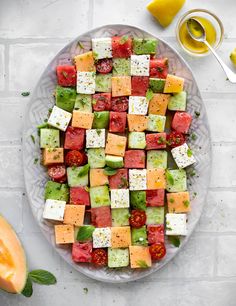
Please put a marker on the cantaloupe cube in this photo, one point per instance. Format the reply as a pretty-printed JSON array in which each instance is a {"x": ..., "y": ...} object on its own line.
[
  {"x": 82, "y": 120},
  {"x": 120, "y": 237},
  {"x": 85, "y": 62},
  {"x": 158, "y": 104},
  {"x": 74, "y": 215},
  {"x": 98, "y": 178},
  {"x": 115, "y": 144},
  {"x": 53, "y": 156},
  {"x": 137, "y": 123},
  {"x": 178, "y": 202},
  {"x": 140, "y": 257},
  {"x": 64, "y": 233},
  {"x": 156, "y": 179},
  {"x": 173, "y": 84},
  {"x": 121, "y": 86}
]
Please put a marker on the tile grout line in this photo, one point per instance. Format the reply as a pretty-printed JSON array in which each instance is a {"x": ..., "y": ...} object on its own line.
[{"x": 90, "y": 14}]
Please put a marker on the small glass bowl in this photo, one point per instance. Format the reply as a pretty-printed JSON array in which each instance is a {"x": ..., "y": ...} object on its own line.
[{"x": 212, "y": 18}]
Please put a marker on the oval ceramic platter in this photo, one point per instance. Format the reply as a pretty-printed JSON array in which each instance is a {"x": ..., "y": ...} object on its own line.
[{"x": 36, "y": 176}]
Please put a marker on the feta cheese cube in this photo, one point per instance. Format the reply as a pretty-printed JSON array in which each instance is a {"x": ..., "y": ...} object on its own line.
[
  {"x": 140, "y": 65},
  {"x": 119, "y": 198},
  {"x": 54, "y": 210},
  {"x": 95, "y": 138},
  {"x": 137, "y": 179},
  {"x": 138, "y": 105},
  {"x": 183, "y": 156},
  {"x": 102, "y": 237},
  {"x": 59, "y": 118},
  {"x": 102, "y": 47},
  {"x": 86, "y": 82},
  {"x": 176, "y": 224}
]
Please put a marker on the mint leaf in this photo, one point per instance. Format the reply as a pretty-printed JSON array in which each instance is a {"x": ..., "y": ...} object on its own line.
[
  {"x": 142, "y": 263},
  {"x": 42, "y": 277},
  {"x": 84, "y": 170},
  {"x": 28, "y": 289},
  {"x": 149, "y": 94},
  {"x": 170, "y": 177},
  {"x": 85, "y": 233},
  {"x": 25, "y": 93},
  {"x": 174, "y": 240},
  {"x": 109, "y": 171},
  {"x": 123, "y": 39}
]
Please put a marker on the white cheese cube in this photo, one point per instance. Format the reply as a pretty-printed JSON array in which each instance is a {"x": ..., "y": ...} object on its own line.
[
  {"x": 59, "y": 118},
  {"x": 102, "y": 47},
  {"x": 95, "y": 138},
  {"x": 137, "y": 179},
  {"x": 138, "y": 105},
  {"x": 86, "y": 82},
  {"x": 140, "y": 65},
  {"x": 54, "y": 210},
  {"x": 119, "y": 198},
  {"x": 176, "y": 224},
  {"x": 183, "y": 156},
  {"x": 102, "y": 237}
]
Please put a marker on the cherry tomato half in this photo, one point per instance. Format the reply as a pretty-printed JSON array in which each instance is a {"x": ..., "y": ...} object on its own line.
[
  {"x": 137, "y": 218},
  {"x": 175, "y": 139},
  {"x": 57, "y": 173},
  {"x": 99, "y": 257},
  {"x": 119, "y": 104},
  {"x": 74, "y": 158},
  {"x": 157, "y": 250},
  {"x": 104, "y": 65}
]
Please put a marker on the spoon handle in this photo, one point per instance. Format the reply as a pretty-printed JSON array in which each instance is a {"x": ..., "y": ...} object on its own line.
[{"x": 230, "y": 74}]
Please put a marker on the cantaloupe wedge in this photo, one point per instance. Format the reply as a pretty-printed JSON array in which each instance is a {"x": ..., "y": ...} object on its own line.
[{"x": 13, "y": 269}]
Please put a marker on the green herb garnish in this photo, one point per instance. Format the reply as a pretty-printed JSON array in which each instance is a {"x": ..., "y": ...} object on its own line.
[
  {"x": 84, "y": 170},
  {"x": 171, "y": 200},
  {"x": 193, "y": 136},
  {"x": 85, "y": 290},
  {"x": 142, "y": 264},
  {"x": 80, "y": 45},
  {"x": 32, "y": 137},
  {"x": 99, "y": 132},
  {"x": 189, "y": 152},
  {"x": 174, "y": 240},
  {"x": 65, "y": 74},
  {"x": 109, "y": 171},
  {"x": 36, "y": 160},
  {"x": 197, "y": 114},
  {"x": 28, "y": 289},
  {"x": 149, "y": 94},
  {"x": 25, "y": 93},
  {"x": 123, "y": 39},
  {"x": 170, "y": 177},
  {"x": 186, "y": 203},
  {"x": 85, "y": 233}
]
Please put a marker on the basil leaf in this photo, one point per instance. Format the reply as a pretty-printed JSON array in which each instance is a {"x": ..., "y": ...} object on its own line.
[
  {"x": 28, "y": 289},
  {"x": 174, "y": 240},
  {"x": 142, "y": 263},
  {"x": 170, "y": 177},
  {"x": 109, "y": 171},
  {"x": 149, "y": 94},
  {"x": 85, "y": 233},
  {"x": 42, "y": 277},
  {"x": 84, "y": 170}
]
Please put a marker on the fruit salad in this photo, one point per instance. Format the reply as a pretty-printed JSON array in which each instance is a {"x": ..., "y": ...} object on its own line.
[{"x": 117, "y": 183}]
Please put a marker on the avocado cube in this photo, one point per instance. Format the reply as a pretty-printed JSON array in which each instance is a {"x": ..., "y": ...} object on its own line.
[
  {"x": 96, "y": 158},
  {"x": 103, "y": 82},
  {"x": 99, "y": 196},
  {"x": 157, "y": 159},
  {"x": 157, "y": 85},
  {"x": 120, "y": 217},
  {"x": 49, "y": 138},
  {"x": 118, "y": 258},
  {"x": 114, "y": 162},
  {"x": 137, "y": 140},
  {"x": 65, "y": 98},
  {"x": 101, "y": 120},
  {"x": 144, "y": 46},
  {"x": 156, "y": 123},
  {"x": 78, "y": 176},
  {"x": 138, "y": 199},
  {"x": 178, "y": 101},
  {"x": 56, "y": 191},
  {"x": 121, "y": 66},
  {"x": 155, "y": 215},
  {"x": 139, "y": 236},
  {"x": 176, "y": 180},
  {"x": 83, "y": 103}
]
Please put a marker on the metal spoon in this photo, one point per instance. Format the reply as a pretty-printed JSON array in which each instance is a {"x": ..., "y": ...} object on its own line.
[{"x": 200, "y": 35}]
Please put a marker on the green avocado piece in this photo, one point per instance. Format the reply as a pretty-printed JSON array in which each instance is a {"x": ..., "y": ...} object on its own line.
[
  {"x": 96, "y": 158},
  {"x": 114, "y": 161},
  {"x": 103, "y": 82},
  {"x": 78, "y": 176},
  {"x": 65, "y": 98},
  {"x": 99, "y": 196},
  {"x": 49, "y": 138},
  {"x": 157, "y": 85},
  {"x": 101, "y": 120},
  {"x": 139, "y": 236},
  {"x": 138, "y": 199},
  {"x": 144, "y": 46},
  {"x": 56, "y": 191},
  {"x": 121, "y": 67}
]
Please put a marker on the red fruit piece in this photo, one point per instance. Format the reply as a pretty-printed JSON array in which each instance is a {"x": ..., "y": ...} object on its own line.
[
  {"x": 121, "y": 46},
  {"x": 117, "y": 122},
  {"x": 181, "y": 122},
  {"x": 159, "y": 68},
  {"x": 80, "y": 196},
  {"x": 82, "y": 252},
  {"x": 101, "y": 102},
  {"x": 74, "y": 138},
  {"x": 135, "y": 159},
  {"x": 66, "y": 75},
  {"x": 139, "y": 85},
  {"x": 101, "y": 216},
  {"x": 155, "y": 141}
]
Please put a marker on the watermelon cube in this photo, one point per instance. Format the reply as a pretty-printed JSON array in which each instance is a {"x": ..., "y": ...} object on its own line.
[
  {"x": 139, "y": 85},
  {"x": 181, "y": 122},
  {"x": 155, "y": 233},
  {"x": 80, "y": 196},
  {"x": 82, "y": 252},
  {"x": 155, "y": 197},
  {"x": 135, "y": 159},
  {"x": 66, "y": 75},
  {"x": 101, "y": 216},
  {"x": 101, "y": 102},
  {"x": 74, "y": 138},
  {"x": 117, "y": 122},
  {"x": 119, "y": 180},
  {"x": 121, "y": 46},
  {"x": 159, "y": 68},
  {"x": 156, "y": 141}
]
